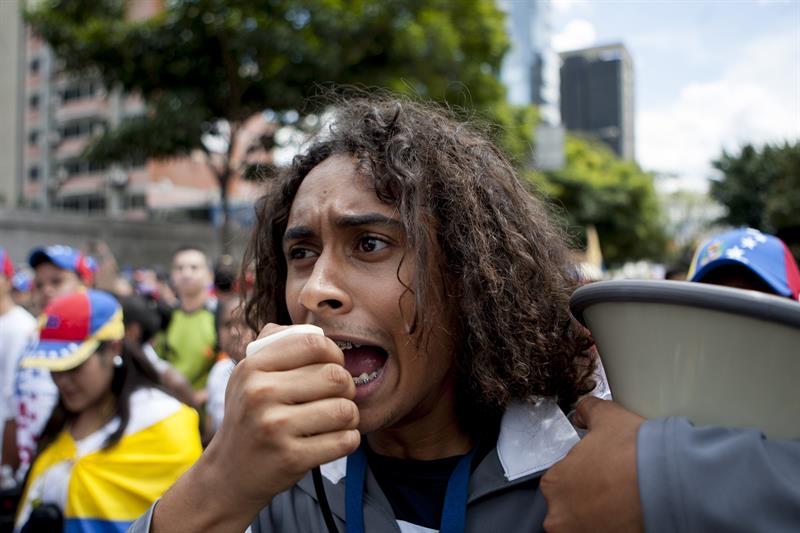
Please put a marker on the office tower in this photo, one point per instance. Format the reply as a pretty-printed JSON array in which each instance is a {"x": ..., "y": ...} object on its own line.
[
  {"x": 597, "y": 96},
  {"x": 530, "y": 73}
]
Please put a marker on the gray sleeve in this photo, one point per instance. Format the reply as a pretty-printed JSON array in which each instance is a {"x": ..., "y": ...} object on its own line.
[
  {"x": 716, "y": 479},
  {"x": 142, "y": 524}
]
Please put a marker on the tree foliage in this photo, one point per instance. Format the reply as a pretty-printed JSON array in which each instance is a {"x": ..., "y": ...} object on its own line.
[
  {"x": 761, "y": 188},
  {"x": 238, "y": 55},
  {"x": 616, "y": 196},
  {"x": 201, "y": 61}
]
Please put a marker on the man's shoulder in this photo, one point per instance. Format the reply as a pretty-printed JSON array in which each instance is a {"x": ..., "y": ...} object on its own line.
[
  {"x": 19, "y": 316},
  {"x": 20, "y": 322}
]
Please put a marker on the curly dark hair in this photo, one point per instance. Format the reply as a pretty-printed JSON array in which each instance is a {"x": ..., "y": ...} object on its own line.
[{"x": 480, "y": 237}]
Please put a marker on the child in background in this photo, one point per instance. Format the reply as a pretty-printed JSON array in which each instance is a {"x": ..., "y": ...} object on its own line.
[{"x": 234, "y": 335}]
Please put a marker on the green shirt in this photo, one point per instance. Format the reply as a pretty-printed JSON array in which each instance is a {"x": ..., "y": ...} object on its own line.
[{"x": 190, "y": 344}]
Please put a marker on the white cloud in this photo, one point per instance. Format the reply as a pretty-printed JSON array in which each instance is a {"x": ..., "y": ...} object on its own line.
[
  {"x": 756, "y": 100},
  {"x": 565, "y": 6},
  {"x": 578, "y": 33}
]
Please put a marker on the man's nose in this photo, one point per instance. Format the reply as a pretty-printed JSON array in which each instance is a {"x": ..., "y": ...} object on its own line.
[{"x": 325, "y": 289}]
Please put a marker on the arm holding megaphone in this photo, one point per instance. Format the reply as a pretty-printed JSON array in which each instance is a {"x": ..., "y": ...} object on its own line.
[
  {"x": 288, "y": 408},
  {"x": 629, "y": 474}
]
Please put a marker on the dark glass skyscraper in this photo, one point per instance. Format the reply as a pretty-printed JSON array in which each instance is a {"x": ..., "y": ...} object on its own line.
[{"x": 597, "y": 96}]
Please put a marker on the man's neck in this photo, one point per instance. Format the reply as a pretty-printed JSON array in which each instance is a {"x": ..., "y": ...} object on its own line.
[
  {"x": 433, "y": 436},
  {"x": 6, "y": 304},
  {"x": 190, "y": 303}
]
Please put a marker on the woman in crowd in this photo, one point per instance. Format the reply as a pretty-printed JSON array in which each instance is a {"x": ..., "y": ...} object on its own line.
[{"x": 115, "y": 441}]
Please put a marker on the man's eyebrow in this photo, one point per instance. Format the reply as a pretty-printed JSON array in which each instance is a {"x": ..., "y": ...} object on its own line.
[
  {"x": 297, "y": 233},
  {"x": 344, "y": 221},
  {"x": 366, "y": 219}
]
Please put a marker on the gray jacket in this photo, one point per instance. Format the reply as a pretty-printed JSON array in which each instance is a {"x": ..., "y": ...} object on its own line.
[
  {"x": 503, "y": 489},
  {"x": 716, "y": 479}
]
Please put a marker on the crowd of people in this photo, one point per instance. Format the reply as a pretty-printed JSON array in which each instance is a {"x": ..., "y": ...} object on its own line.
[
  {"x": 441, "y": 397},
  {"x": 108, "y": 385}
]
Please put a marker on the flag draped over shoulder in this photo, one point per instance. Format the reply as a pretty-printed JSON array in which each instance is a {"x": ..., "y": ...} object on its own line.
[{"x": 106, "y": 490}]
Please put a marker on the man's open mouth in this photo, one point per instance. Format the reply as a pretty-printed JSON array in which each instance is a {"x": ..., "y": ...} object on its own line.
[{"x": 364, "y": 362}]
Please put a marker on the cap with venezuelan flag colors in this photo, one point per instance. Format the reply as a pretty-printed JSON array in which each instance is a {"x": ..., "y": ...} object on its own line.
[
  {"x": 67, "y": 258},
  {"x": 71, "y": 329},
  {"x": 764, "y": 255}
]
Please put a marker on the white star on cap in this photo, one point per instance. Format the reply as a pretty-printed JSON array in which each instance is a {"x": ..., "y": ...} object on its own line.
[
  {"x": 749, "y": 243},
  {"x": 757, "y": 235},
  {"x": 736, "y": 253}
]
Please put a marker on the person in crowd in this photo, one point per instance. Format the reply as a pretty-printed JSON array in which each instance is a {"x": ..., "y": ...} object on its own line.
[
  {"x": 190, "y": 342},
  {"x": 225, "y": 278},
  {"x": 115, "y": 440},
  {"x": 142, "y": 322},
  {"x": 106, "y": 269},
  {"x": 234, "y": 335},
  {"x": 747, "y": 259},
  {"x": 435, "y": 399},
  {"x": 21, "y": 289},
  {"x": 58, "y": 270},
  {"x": 631, "y": 474},
  {"x": 16, "y": 328}
]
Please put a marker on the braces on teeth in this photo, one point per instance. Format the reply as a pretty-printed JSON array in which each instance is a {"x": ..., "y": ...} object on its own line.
[
  {"x": 347, "y": 345},
  {"x": 365, "y": 378}
]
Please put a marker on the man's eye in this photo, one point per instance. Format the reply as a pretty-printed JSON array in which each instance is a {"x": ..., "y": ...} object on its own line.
[
  {"x": 300, "y": 253},
  {"x": 371, "y": 244}
]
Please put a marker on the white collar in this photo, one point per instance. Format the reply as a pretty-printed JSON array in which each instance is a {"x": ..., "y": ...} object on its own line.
[{"x": 532, "y": 438}]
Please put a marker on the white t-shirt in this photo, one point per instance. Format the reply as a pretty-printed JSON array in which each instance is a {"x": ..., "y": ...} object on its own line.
[
  {"x": 160, "y": 365},
  {"x": 217, "y": 383},
  {"x": 35, "y": 395},
  {"x": 17, "y": 328}
]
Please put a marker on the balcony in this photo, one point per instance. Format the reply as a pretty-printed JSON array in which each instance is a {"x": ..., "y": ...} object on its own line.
[
  {"x": 82, "y": 108},
  {"x": 72, "y": 147},
  {"x": 83, "y": 184}
]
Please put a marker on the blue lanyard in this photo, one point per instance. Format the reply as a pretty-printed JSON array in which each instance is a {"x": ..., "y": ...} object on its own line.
[{"x": 454, "y": 513}]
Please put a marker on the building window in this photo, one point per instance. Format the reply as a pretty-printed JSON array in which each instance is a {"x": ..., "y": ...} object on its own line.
[
  {"x": 34, "y": 65},
  {"x": 33, "y": 173},
  {"x": 33, "y": 137},
  {"x": 78, "y": 91},
  {"x": 97, "y": 203},
  {"x": 74, "y": 167},
  {"x": 33, "y": 102},
  {"x": 90, "y": 204},
  {"x": 134, "y": 201},
  {"x": 80, "y": 128}
]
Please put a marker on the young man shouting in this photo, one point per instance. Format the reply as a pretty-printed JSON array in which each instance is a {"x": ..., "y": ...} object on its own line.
[{"x": 434, "y": 399}]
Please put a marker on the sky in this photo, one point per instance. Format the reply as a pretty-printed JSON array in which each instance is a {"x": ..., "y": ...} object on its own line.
[{"x": 709, "y": 75}]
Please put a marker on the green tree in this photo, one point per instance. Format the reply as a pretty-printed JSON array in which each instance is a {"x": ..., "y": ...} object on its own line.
[
  {"x": 205, "y": 66},
  {"x": 616, "y": 196},
  {"x": 761, "y": 188}
]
